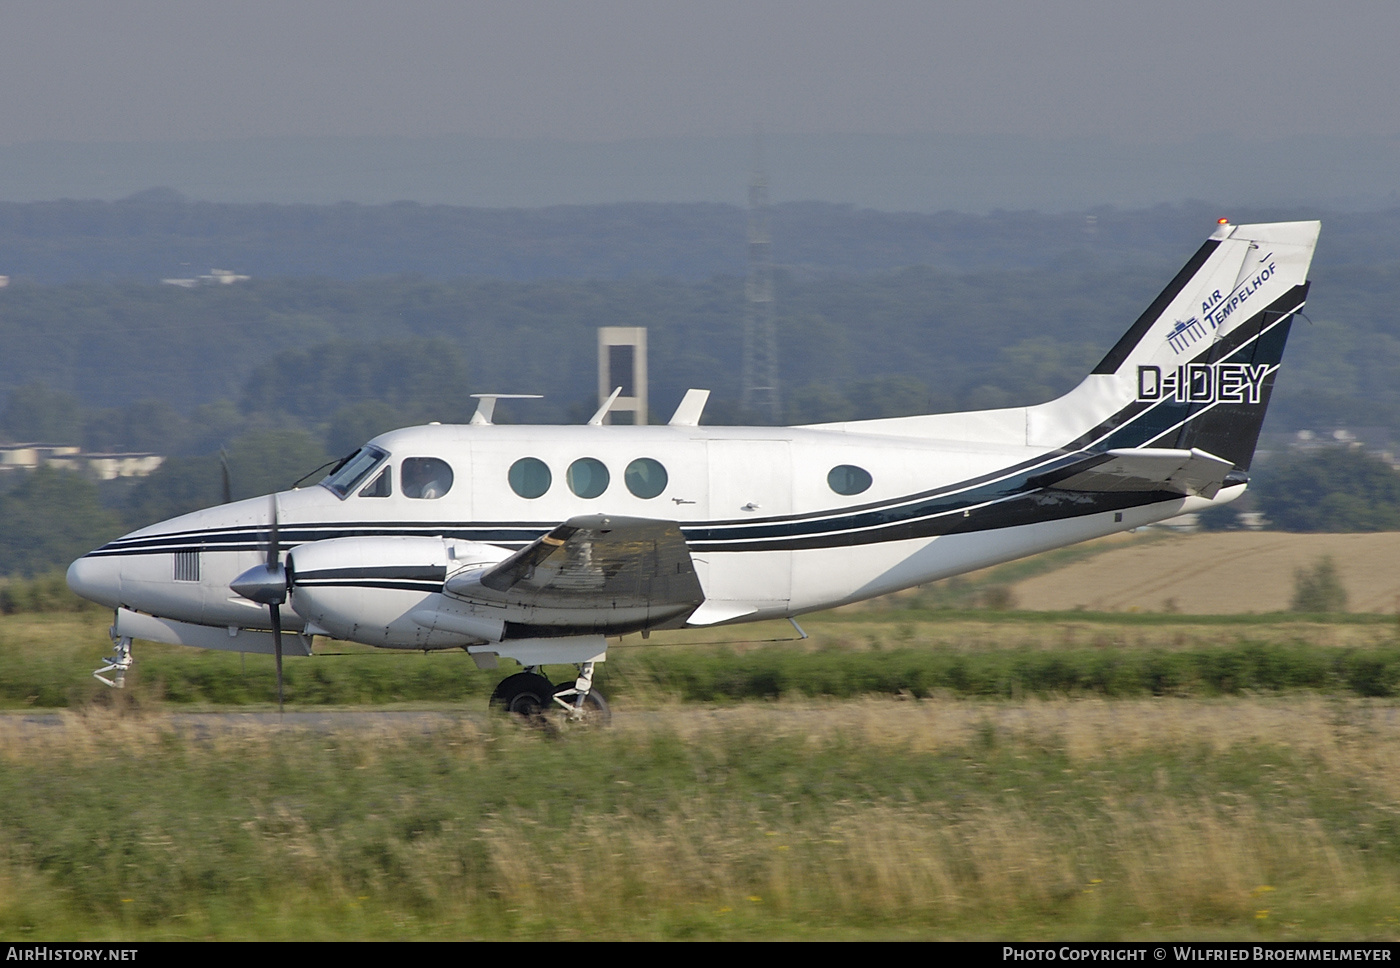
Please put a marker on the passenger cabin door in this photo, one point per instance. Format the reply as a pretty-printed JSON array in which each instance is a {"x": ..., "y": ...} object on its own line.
[{"x": 750, "y": 480}]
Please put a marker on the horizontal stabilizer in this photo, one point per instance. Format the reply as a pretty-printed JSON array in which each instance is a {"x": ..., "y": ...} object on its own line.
[{"x": 1189, "y": 472}]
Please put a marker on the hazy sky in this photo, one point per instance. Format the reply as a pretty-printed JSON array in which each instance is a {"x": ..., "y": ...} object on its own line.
[{"x": 139, "y": 70}]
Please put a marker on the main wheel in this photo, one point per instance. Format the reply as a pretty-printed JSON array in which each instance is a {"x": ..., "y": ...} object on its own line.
[
  {"x": 595, "y": 707},
  {"x": 524, "y": 695}
]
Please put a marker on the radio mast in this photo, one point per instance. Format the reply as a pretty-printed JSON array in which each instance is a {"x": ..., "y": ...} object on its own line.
[{"x": 760, "y": 396}]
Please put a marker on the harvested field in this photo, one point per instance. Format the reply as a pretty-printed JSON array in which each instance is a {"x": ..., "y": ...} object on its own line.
[{"x": 1216, "y": 573}]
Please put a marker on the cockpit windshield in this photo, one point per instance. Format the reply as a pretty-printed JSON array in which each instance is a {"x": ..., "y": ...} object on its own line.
[{"x": 355, "y": 468}]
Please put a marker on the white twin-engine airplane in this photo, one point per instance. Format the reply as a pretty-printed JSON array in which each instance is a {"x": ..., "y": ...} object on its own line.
[{"x": 538, "y": 543}]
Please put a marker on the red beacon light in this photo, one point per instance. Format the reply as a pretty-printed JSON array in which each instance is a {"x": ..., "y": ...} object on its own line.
[{"x": 1222, "y": 221}]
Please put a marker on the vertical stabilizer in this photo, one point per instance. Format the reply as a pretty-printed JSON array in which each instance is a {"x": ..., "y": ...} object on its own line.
[{"x": 1197, "y": 368}]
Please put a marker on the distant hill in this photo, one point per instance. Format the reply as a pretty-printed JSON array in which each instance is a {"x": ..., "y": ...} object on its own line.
[
  {"x": 158, "y": 234},
  {"x": 895, "y": 173}
]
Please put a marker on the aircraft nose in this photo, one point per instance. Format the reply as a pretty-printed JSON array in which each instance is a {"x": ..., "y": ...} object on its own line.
[{"x": 96, "y": 579}]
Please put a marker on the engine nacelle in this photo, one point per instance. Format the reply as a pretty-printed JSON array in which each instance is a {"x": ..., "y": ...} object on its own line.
[{"x": 387, "y": 591}]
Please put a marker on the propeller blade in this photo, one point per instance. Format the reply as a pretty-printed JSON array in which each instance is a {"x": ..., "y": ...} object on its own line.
[
  {"x": 276, "y": 611},
  {"x": 228, "y": 487},
  {"x": 274, "y": 549},
  {"x": 274, "y": 566}
]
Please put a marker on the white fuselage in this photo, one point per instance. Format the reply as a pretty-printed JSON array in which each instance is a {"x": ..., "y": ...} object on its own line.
[{"x": 771, "y": 537}]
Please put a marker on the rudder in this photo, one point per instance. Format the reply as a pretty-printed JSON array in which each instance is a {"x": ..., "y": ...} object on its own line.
[{"x": 1196, "y": 370}]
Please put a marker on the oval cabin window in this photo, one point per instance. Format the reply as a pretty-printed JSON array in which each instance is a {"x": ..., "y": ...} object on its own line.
[
  {"x": 645, "y": 477},
  {"x": 848, "y": 479},
  {"x": 530, "y": 477},
  {"x": 425, "y": 478},
  {"x": 587, "y": 477}
]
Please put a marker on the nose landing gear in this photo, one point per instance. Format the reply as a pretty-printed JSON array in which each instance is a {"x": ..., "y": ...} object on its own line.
[
  {"x": 581, "y": 702},
  {"x": 118, "y": 662}
]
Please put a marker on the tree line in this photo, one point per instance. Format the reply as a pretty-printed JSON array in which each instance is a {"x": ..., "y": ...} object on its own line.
[{"x": 918, "y": 339}]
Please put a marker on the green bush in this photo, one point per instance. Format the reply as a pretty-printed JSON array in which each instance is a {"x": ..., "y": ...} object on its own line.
[{"x": 1319, "y": 588}]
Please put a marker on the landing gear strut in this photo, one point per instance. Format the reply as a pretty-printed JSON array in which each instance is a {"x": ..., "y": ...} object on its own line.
[
  {"x": 529, "y": 696},
  {"x": 119, "y": 661},
  {"x": 581, "y": 702}
]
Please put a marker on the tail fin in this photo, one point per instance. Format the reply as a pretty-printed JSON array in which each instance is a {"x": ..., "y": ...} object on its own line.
[{"x": 1197, "y": 368}]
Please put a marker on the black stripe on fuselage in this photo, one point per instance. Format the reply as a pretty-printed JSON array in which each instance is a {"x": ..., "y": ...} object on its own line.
[
  {"x": 415, "y": 573},
  {"x": 414, "y": 578},
  {"x": 977, "y": 510},
  {"x": 367, "y": 582},
  {"x": 256, "y": 537}
]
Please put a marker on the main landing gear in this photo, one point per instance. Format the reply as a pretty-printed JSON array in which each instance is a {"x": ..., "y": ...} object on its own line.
[{"x": 530, "y": 697}]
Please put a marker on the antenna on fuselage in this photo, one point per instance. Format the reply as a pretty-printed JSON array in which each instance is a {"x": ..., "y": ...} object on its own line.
[
  {"x": 692, "y": 405},
  {"x": 486, "y": 405},
  {"x": 597, "y": 419}
]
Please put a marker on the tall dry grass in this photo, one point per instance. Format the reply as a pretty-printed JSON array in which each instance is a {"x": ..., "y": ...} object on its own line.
[{"x": 1243, "y": 818}]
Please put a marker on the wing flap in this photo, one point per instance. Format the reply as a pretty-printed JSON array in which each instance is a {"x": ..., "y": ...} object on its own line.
[
  {"x": 597, "y": 560},
  {"x": 1186, "y": 472}
]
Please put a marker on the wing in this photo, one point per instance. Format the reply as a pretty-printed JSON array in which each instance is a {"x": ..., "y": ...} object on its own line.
[
  {"x": 1187, "y": 472},
  {"x": 601, "y": 561}
]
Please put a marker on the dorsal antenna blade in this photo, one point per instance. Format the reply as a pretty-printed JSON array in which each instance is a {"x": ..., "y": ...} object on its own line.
[
  {"x": 597, "y": 419},
  {"x": 486, "y": 405}
]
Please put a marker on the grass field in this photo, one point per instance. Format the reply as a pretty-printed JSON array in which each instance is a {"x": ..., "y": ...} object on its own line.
[
  {"x": 1175, "y": 818},
  {"x": 1245, "y": 801}
]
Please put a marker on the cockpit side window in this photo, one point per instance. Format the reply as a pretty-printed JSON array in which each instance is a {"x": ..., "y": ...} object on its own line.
[
  {"x": 425, "y": 477},
  {"x": 354, "y": 469},
  {"x": 381, "y": 486}
]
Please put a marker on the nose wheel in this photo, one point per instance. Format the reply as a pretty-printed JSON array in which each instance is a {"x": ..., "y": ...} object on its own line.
[
  {"x": 581, "y": 702},
  {"x": 118, "y": 662},
  {"x": 593, "y": 711}
]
